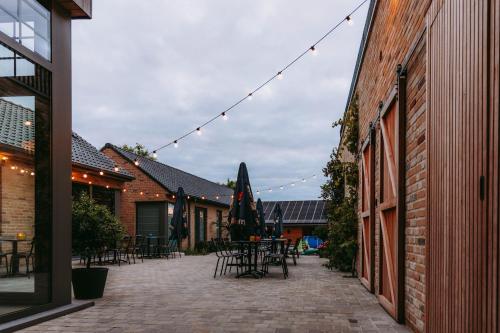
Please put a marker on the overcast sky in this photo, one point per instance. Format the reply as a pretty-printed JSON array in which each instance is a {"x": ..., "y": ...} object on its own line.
[{"x": 149, "y": 71}]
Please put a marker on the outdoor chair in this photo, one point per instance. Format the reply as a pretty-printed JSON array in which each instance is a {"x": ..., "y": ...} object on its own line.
[
  {"x": 294, "y": 252},
  {"x": 220, "y": 255},
  {"x": 138, "y": 247},
  {"x": 28, "y": 258},
  {"x": 174, "y": 248},
  {"x": 277, "y": 258},
  {"x": 4, "y": 255}
]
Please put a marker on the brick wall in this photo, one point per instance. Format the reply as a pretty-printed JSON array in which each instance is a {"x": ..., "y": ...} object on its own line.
[
  {"x": 145, "y": 189},
  {"x": 396, "y": 26},
  {"x": 17, "y": 190}
]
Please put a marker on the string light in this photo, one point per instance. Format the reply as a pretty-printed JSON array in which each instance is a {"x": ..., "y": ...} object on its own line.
[
  {"x": 124, "y": 190},
  {"x": 304, "y": 180},
  {"x": 224, "y": 115},
  {"x": 107, "y": 186},
  {"x": 101, "y": 173},
  {"x": 32, "y": 173},
  {"x": 85, "y": 176},
  {"x": 155, "y": 155},
  {"x": 282, "y": 188},
  {"x": 27, "y": 123},
  {"x": 176, "y": 144},
  {"x": 136, "y": 162},
  {"x": 116, "y": 169},
  {"x": 349, "y": 20},
  {"x": 312, "y": 49}
]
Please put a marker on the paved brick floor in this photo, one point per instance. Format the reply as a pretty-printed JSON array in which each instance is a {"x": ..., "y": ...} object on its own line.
[{"x": 180, "y": 295}]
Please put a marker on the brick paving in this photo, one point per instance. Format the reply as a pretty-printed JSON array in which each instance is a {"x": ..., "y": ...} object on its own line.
[{"x": 180, "y": 295}]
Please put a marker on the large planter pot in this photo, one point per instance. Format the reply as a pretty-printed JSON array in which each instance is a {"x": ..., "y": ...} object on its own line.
[{"x": 88, "y": 283}]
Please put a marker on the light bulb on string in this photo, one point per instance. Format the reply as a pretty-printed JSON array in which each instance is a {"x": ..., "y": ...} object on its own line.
[
  {"x": 313, "y": 49},
  {"x": 176, "y": 144},
  {"x": 258, "y": 192},
  {"x": 282, "y": 188},
  {"x": 270, "y": 190},
  {"x": 314, "y": 177},
  {"x": 136, "y": 162},
  {"x": 116, "y": 169},
  {"x": 198, "y": 131},
  {"x": 304, "y": 180},
  {"x": 293, "y": 184},
  {"x": 155, "y": 155},
  {"x": 250, "y": 96},
  {"x": 279, "y": 76},
  {"x": 224, "y": 115},
  {"x": 101, "y": 173},
  {"x": 349, "y": 20}
]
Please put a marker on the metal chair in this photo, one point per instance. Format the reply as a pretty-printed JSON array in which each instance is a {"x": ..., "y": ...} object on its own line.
[
  {"x": 278, "y": 258},
  {"x": 28, "y": 257}
]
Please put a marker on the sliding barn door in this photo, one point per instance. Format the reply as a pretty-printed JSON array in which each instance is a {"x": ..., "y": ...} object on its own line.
[
  {"x": 367, "y": 264},
  {"x": 391, "y": 208},
  {"x": 462, "y": 243}
]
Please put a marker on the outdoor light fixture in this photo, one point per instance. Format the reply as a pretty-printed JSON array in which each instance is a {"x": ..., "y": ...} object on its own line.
[
  {"x": 304, "y": 180},
  {"x": 280, "y": 75},
  {"x": 293, "y": 184},
  {"x": 142, "y": 193},
  {"x": 32, "y": 173},
  {"x": 349, "y": 20},
  {"x": 270, "y": 190},
  {"x": 107, "y": 186},
  {"x": 27, "y": 123},
  {"x": 85, "y": 175},
  {"x": 72, "y": 177},
  {"x": 281, "y": 187},
  {"x": 124, "y": 190},
  {"x": 258, "y": 192},
  {"x": 136, "y": 162},
  {"x": 313, "y": 50},
  {"x": 198, "y": 131},
  {"x": 224, "y": 115},
  {"x": 157, "y": 195},
  {"x": 314, "y": 177},
  {"x": 217, "y": 197},
  {"x": 250, "y": 96},
  {"x": 155, "y": 155},
  {"x": 116, "y": 169},
  {"x": 90, "y": 183},
  {"x": 101, "y": 173},
  {"x": 176, "y": 144}
]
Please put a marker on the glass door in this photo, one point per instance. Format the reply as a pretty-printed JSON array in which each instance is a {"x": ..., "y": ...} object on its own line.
[{"x": 25, "y": 183}]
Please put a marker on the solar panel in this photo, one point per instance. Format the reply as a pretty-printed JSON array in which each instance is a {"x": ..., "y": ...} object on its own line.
[
  {"x": 303, "y": 213},
  {"x": 287, "y": 216},
  {"x": 318, "y": 215}
]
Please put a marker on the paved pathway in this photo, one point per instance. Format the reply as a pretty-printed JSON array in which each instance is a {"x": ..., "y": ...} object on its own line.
[{"x": 180, "y": 295}]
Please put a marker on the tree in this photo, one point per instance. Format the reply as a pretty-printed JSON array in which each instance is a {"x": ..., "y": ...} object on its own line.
[
  {"x": 231, "y": 183},
  {"x": 140, "y": 150},
  {"x": 340, "y": 192}
]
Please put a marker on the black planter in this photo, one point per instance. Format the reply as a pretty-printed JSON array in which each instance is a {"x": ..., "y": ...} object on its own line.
[{"x": 88, "y": 283}]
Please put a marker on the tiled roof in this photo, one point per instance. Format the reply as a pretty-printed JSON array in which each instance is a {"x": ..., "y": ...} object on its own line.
[
  {"x": 297, "y": 212},
  {"x": 172, "y": 178},
  {"x": 86, "y": 155},
  {"x": 17, "y": 130},
  {"x": 14, "y": 130}
]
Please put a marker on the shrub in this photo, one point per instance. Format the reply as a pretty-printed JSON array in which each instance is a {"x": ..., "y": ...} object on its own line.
[{"x": 94, "y": 228}]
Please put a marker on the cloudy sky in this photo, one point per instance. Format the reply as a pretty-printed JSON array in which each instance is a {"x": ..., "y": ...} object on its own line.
[{"x": 149, "y": 71}]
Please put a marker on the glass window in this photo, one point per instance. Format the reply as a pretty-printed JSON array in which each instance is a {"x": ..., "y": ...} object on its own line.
[
  {"x": 28, "y": 22},
  {"x": 25, "y": 223}
]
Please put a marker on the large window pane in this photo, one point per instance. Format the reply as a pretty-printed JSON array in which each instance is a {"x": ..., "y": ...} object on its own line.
[
  {"x": 28, "y": 22},
  {"x": 25, "y": 223}
]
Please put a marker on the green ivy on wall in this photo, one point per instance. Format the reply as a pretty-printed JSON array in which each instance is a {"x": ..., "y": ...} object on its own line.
[{"x": 340, "y": 192}]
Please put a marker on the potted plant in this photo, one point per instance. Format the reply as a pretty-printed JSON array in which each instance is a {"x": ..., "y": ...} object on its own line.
[{"x": 94, "y": 229}]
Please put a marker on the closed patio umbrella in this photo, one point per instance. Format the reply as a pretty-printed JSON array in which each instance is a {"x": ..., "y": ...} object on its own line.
[
  {"x": 278, "y": 220},
  {"x": 178, "y": 223},
  {"x": 262, "y": 220},
  {"x": 243, "y": 214}
]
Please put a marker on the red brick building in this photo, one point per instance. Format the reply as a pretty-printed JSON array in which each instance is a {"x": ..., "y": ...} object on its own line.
[
  {"x": 300, "y": 218},
  {"x": 146, "y": 203},
  {"x": 427, "y": 85}
]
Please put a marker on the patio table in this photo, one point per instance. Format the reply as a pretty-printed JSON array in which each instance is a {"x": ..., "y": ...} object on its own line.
[
  {"x": 149, "y": 240},
  {"x": 15, "y": 258},
  {"x": 251, "y": 251}
]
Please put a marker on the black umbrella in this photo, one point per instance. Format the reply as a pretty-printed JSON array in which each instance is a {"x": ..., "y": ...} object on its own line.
[
  {"x": 179, "y": 223},
  {"x": 262, "y": 220},
  {"x": 278, "y": 220},
  {"x": 243, "y": 216}
]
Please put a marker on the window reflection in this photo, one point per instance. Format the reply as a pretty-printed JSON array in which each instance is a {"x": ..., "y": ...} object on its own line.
[
  {"x": 28, "y": 22},
  {"x": 25, "y": 240}
]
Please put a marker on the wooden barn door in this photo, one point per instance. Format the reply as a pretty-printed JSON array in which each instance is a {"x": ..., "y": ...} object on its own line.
[
  {"x": 391, "y": 208},
  {"x": 462, "y": 233},
  {"x": 367, "y": 264}
]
